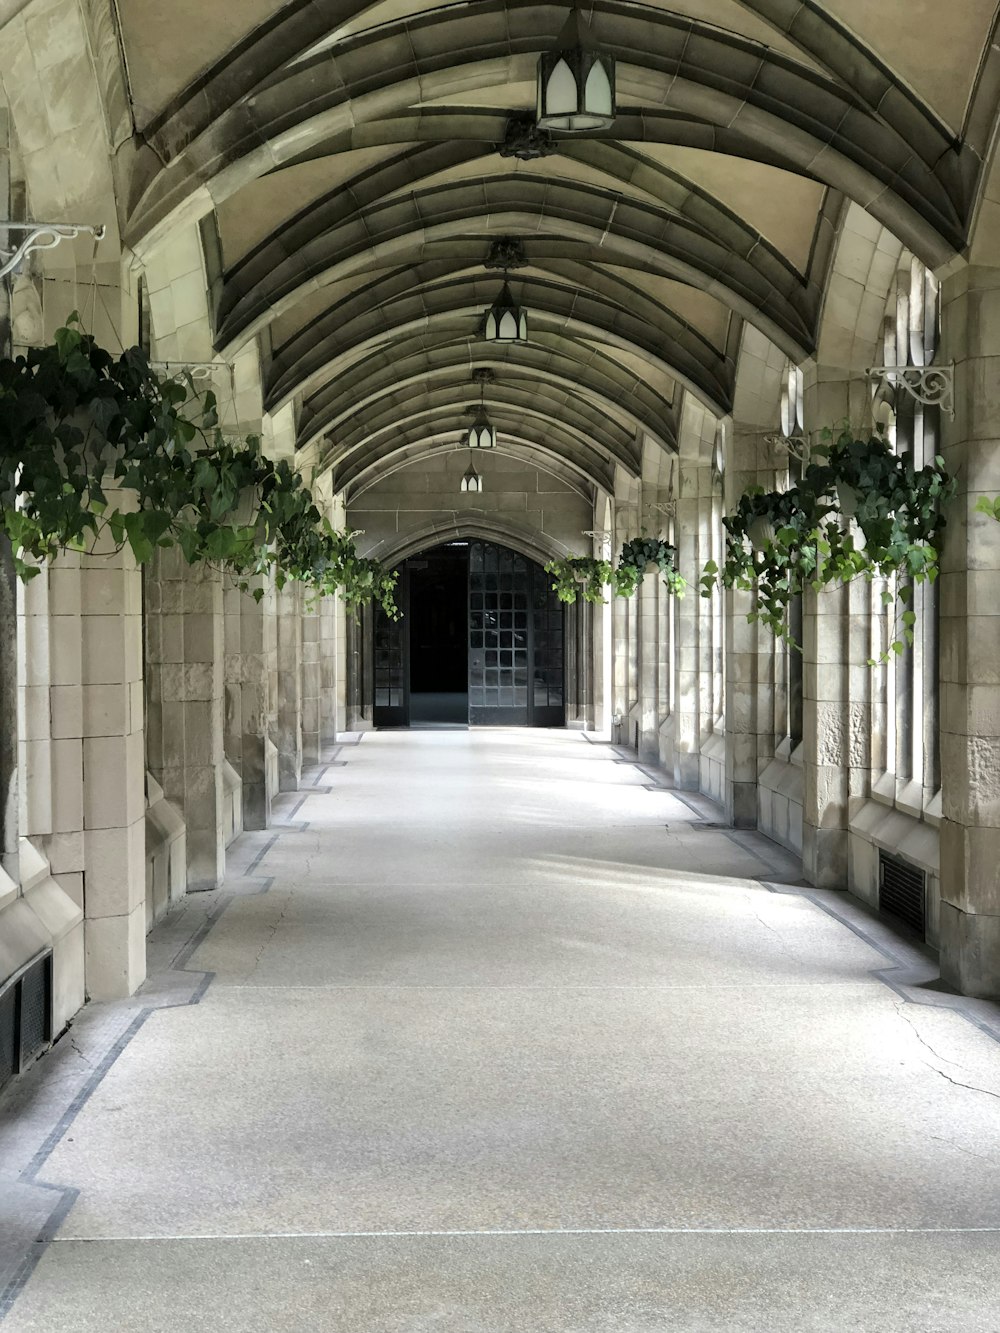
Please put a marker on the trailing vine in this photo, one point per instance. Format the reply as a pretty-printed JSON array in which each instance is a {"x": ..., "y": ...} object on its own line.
[
  {"x": 861, "y": 510},
  {"x": 91, "y": 443}
]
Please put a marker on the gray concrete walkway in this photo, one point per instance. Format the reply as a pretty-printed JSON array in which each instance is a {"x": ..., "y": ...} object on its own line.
[{"x": 493, "y": 1036}]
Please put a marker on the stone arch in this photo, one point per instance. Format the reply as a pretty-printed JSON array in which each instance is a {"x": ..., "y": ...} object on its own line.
[{"x": 471, "y": 525}]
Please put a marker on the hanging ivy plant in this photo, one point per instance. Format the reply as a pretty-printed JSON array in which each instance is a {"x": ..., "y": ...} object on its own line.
[
  {"x": 580, "y": 573},
  {"x": 860, "y": 510},
  {"x": 93, "y": 443},
  {"x": 641, "y": 554},
  {"x": 984, "y": 505}
]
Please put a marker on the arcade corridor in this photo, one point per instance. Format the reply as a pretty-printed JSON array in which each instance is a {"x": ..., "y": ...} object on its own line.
[{"x": 492, "y": 1032}]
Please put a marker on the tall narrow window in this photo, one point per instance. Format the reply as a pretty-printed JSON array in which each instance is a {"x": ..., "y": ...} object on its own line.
[
  {"x": 145, "y": 318},
  {"x": 793, "y": 430},
  {"x": 908, "y": 747}
]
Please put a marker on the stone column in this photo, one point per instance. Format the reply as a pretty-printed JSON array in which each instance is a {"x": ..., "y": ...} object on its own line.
[
  {"x": 650, "y": 634},
  {"x": 84, "y": 758},
  {"x": 247, "y": 703},
  {"x": 8, "y": 714},
  {"x": 332, "y": 667},
  {"x": 8, "y": 600},
  {"x": 836, "y": 684},
  {"x": 750, "y": 651},
  {"x": 312, "y": 722},
  {"x": 694, "y": 520},
  {"x": 970, "y": 642},
  {"x": 186, "y": 695},
  {"x": 289, "y": 734},
  {"x": 620, "y": 667},
  {"x": 114, "y": 773}
]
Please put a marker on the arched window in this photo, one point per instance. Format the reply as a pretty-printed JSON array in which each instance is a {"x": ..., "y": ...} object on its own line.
[
  {"x": 905, "y": 756},
  {"x": 793, "y": 431}
]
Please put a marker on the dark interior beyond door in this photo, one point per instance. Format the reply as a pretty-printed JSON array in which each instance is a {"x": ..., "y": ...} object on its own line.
[
  {"x": 438, "y": 629},
  {"x": 481, "y": 642}
]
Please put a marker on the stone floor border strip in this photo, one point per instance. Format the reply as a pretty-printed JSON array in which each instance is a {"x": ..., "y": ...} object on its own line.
[
  {"x": 962, "y": 1005},
  {"x": 839, "y": 908},
  {"x": 67, "y": 1193}
]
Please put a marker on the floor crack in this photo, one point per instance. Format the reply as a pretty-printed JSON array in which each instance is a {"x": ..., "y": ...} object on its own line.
[
  {"x": 970, "y": 1087},
  {"x": 274, "y": 930},
  {"x": 767, "y": 926},
  {"x": 75, "y": 1047},
  {"x": 939, "y": 1138}
]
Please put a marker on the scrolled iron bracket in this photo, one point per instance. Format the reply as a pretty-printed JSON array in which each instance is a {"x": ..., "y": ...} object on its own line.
[
  {"x": 198, "y": 371},
  {"x": 796, "y": 446},
  {"x": 604, "y": 537},
  {"x": 933, "y": 386},
  {"x": 40, "y": 236}
]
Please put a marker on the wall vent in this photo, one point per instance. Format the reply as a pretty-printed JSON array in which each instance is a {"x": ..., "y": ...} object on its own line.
[
  {"x": 902, "y": 892},
  {"x": 25, "y": 1016}
]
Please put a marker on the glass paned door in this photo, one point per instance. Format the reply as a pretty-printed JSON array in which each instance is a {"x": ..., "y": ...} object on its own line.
[
  {"x": 516, "y": 626},
  {"x": 548, "y": 702},
  {"x": 499, "y": 637}
]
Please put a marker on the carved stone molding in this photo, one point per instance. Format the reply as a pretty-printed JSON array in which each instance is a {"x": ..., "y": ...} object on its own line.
[
  {"x": 506, "y": 252},
  {"x": 525, "y": 141}
]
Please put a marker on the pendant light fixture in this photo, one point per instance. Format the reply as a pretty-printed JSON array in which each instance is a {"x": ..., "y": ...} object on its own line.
[
  {"x": 576, "y": 82},
  {"x": 472, "y": 481},
  {"x": 482, "y": 433},
  {"x": 506, "y": 321}
]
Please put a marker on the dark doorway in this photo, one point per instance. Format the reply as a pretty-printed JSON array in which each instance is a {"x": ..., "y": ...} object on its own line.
[
  {"x": 438, "y": 632},
  {"x": 481, "y": 642}
]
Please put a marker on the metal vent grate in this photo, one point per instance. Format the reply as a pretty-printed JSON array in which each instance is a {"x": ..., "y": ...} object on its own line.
[
  {"x": 25, "y": 1016},
  {"x": 36, "y": 994},
  {"x": 8, "y": 1035},
  {"x": 902, "y": 892}
]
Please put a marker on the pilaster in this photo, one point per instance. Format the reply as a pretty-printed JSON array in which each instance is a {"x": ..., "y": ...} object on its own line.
[
  {"x": 246, "y": 737},
  {"x": 696, "y": 665},
  {"x": 750, "y": 651},
  {"x": 289, "y": 732},
  {"x": 84, "y": 754},
  {"x": 970, "y": 642},
  {"x": 185, "y": 642},
  {"x": 312, "y": 690}
]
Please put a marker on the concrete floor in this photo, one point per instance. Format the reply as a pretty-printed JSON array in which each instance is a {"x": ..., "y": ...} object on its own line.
[{"x": 491, "y": 1035}]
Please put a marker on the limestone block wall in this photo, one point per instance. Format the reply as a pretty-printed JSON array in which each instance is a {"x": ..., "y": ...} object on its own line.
[
  {"x": 247, "y": 707},
  {"x": 82, "y": 743},
  {"x": 426, "y": 498},
  {"x": 185, "y": 693}
]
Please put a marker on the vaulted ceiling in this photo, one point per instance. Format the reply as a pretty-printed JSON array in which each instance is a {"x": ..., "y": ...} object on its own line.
[{"x": 349, "y": 167}]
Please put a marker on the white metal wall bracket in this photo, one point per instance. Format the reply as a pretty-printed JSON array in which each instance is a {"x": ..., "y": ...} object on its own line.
[
  {"x": 39, "y": 236},
  {"x": 933, "y": 386}
]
